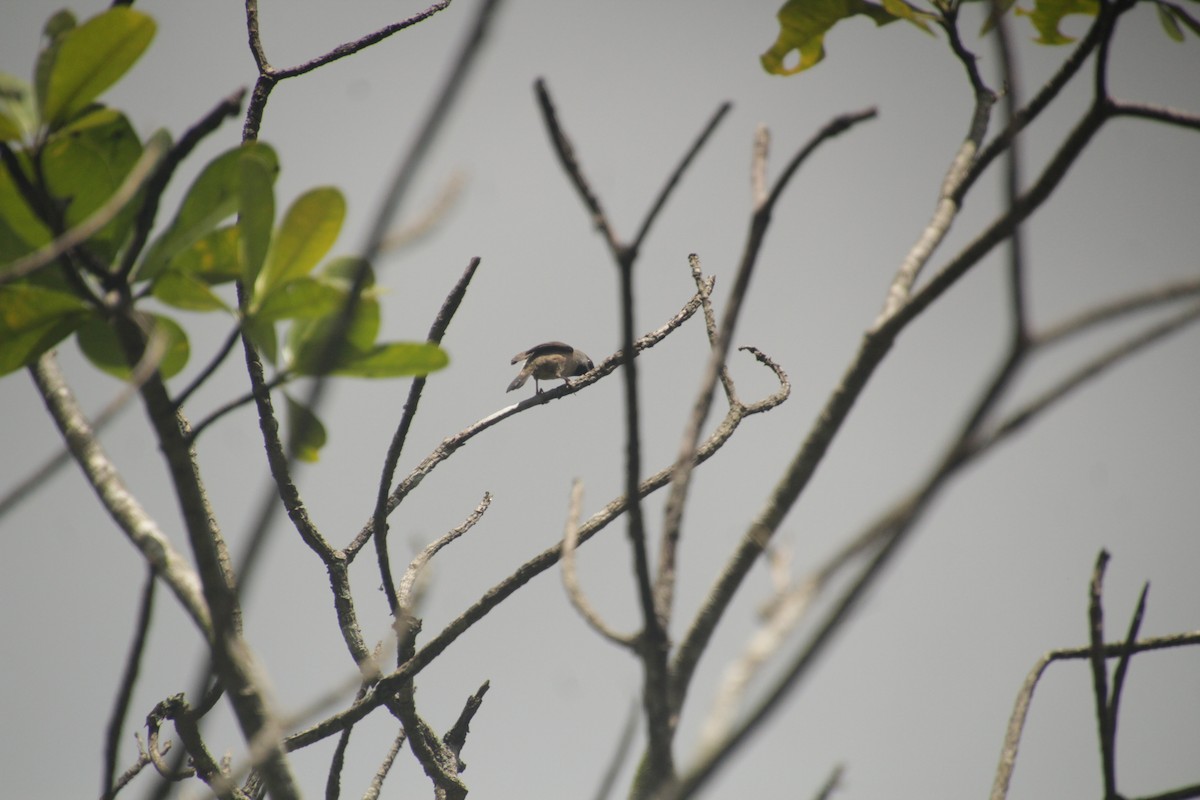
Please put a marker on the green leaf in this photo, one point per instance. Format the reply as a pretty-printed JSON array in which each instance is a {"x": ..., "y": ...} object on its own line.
[
  {"x": 308, "y": 339},
  {"x": 1167, "y": 20},
  {"x": 256, "y": 218},
  {"x": 1047, "y": 15},
  {"x": 85, "y": 164},
  {"x": 803, "y": 25},
  {"x": 902, "y": 10},
  {"x": 98, "y": 341},
  {"x": 186, "y": 291},
  {"x": 18, "y": 117},
  {"x": 306, "y": 434},
  {"x": 309, "y": 229},
  {"x": 32, "y": 320},
  {"x": 57, "y": 27},
  {"x": 213, "y": 258},
  {"x": 394, "y": 360},
  {"x": 302, "y": 298},
  {"x": 86, "y": 60},
  {"x": 212, "y": 197},
  {"x": 21, "y": 231},
  {"x": 264, "y": 338}
]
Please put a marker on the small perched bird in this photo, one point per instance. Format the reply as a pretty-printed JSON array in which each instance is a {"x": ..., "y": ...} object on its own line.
[{"x": 550, "y": 360}]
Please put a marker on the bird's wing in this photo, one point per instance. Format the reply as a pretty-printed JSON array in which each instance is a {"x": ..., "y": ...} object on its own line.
[{"x": 544, "y": 349}]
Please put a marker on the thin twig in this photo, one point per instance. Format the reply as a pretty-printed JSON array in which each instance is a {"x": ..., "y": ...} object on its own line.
[
  {"x": 380, "y": 774},
  {"x": 760, "y": 220},
  {"x": 436, "y": 332},
  {"x": 531, "y": 569},
  {"x": 227, "y": 107},
  {"x": 570, "y": 577},
  {"x": 451, "y": 444},
  {"x": 1016, "y": 723},
  {"x": 1104, "y": 721},
  {"x": 133, "y": 661},
  {"x": 620, "y": 754}
]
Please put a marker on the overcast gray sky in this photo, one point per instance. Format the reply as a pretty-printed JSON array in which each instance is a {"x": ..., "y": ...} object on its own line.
[{"x": 915, "y": 696}]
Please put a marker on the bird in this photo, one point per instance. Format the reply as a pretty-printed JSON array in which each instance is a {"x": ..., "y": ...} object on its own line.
[{"x": 550, "y": 360}]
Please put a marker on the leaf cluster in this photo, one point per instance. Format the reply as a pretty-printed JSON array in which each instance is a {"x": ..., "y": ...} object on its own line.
[
  {"x": 804, "y": 23},
  {"x": 79, "y": 191}
]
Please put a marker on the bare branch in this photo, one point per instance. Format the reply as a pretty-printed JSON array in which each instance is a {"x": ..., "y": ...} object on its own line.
[
  {"x": 456, "y": 738},
  {"x": 124, "y": 694},
  {"x": 380, "y": 774},
  {"x": 760, "y": 220},
  {"x": 121, "y": 505},
  {"x": 533, "y": 567},
  {"x": 570, "y": 577},
  {"x": 620, "y": 754},
  {"x": 405, "y": 591},
  {"x": 1016, "y": 724},
  {"x": 269, "y": 76},
  {"x": 451, "y": 444},
  {"x": 379, "y": 517},
  {"x": 1104, "y": 719}
]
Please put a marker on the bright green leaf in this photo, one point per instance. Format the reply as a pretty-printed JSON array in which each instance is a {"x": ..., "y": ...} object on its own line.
[
  {"x": 1047, "y": 15},
  {"x": 308, "y": 339},
  {"x": 18, "y": 117},
  {"x": 90, "y": 58},
  {"x": 32, "y": 320},
  {"x": 309, "y": 229},
  {"x": 803, "y": 25},
  {"x": 211, "y": 198},
  {"x": 306, "y": 434},
  {"x": 256, "y": 218},
  {"x": 213, "y": 258},
  {"x": 186, "y": 291},
  {"x": 302, "y": 298},
  {"x": 85, "y": 166},
  {"x": 902, "y": 10},
  {"x": 394, "y": 360},
  {"x": 98, "y": 341},
  {"x": 55, "y": 29}
]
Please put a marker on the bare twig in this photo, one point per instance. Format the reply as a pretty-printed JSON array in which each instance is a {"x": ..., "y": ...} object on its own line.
[
  {"x": 456, "y": 738},
  {"x": 451, "y": 444},
  {"x": 1104, "y": 719},
  {"x": 269, "y": 76},
  {"x": 534, "y": 566},
  {"x": 570, "y": 578},
  {"x": 135, "y": 769},
  {"x": 1016, "y": 723},
  {"x": 620, "y": 753},
  {"x": 380, "y": 774},
  {"x": 436, "y": 331},
  {"x": 227, "y": 107},
  {"x": 121, "y": 505},
  {"x": 133, "y": 660},
  {"x": 760, "y": 220},
  {"x": 405, "y": 590}
]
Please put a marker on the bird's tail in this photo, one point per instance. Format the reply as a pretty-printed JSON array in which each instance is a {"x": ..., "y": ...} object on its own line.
[{"x": 522, "y": 376}]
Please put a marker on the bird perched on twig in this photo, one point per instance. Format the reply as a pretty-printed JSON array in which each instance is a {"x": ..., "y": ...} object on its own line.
[{"x": 550, "y": 360}]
